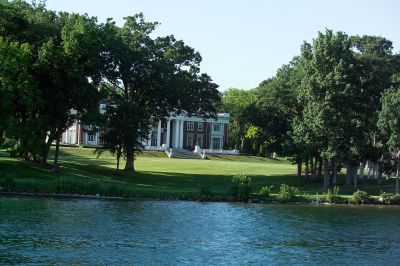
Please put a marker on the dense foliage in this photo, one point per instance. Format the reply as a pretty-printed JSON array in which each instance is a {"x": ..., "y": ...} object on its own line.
[
  {"x": 56, "y": 69},
  {"x": 334, "y": 105}
]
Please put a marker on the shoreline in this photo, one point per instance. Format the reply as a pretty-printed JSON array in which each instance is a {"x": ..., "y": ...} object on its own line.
[{"x": 305, "y": 201}]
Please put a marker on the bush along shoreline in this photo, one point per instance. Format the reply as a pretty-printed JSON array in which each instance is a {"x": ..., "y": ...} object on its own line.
[{"x": 239, "y": 190}]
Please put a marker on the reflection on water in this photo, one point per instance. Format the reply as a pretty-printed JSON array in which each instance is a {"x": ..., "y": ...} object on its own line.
[{"x": 74, "y": 231}]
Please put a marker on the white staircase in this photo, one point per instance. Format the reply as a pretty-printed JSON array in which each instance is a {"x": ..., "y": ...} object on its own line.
[{"x": 183, "y": 154}]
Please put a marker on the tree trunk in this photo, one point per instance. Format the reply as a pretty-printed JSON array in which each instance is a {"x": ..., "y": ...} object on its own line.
[
  {"x": 377, "y": 170},
  {"x": 129, "y": 166},
  {"x": 320, "y": 168},
  {"x": 119, "y": 153},
  {"x": 28, "y": 156},
  {"x": 307, "y": 171},
  {"x": 326, "y": 175},
  {"x": 373, "y": 170},
  {"x": 379, "y": 178},
  {"x": 362, "y": 166},
  {"x": 242, "y": 144},
  {"x": 299, "y": 165},
  {"x": 398, "y": 175},
  {"x": 312, "y": 167},
  {"x": 349, "y": 174},
  {"x": 334, "y": 172},
  {"x": 369, "y": 163},
  {"x": 46, "y": 149},
  {"x": 355, "y": 186},
  {"x": 56, "y": 152}
]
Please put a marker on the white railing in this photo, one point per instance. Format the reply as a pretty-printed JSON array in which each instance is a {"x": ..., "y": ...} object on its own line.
[
  {"x": 169, "y": 152},
  {"x": 202, "y": 152}
]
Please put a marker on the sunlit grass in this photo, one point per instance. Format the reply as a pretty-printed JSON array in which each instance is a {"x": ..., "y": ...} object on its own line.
[{"x": 81, "y": 172}]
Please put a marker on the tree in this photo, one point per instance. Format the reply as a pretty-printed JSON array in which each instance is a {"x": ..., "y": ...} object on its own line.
[
  {"x": 69, "y": 75},
  {"x": 389, "y": 124},
  {"x": 64, "y": 67},
  {"x": 237, "y": 102},
  {"x": 276, "y": 106},
  {"x": 327, "y": 93},
  {"x": 19, "y": 97},
  {"x": 150, "y": 79}
]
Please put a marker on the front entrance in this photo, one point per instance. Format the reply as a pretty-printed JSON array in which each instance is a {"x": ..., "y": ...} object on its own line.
[
  {"x": 216, "y": 143},
  {"x": 154, "y": 138},
  {"x": 200, "y": 141},
  {"x": 189, "y": 142}
]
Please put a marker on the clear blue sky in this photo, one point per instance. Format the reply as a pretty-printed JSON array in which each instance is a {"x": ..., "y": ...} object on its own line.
[{"x": 243, "y": 42}]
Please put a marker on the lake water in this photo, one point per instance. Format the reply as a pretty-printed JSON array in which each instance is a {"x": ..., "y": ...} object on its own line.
[{"x": 46, "y": 231}]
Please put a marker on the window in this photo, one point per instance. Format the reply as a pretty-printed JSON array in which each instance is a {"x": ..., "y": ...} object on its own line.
[
  {"x": 154, "y": 139},
  {"x": 190, "y": 126},
  {"x": 189, "y": 142},
  {"x": 216, "y": 143},
  {"x": 91, "y": 137},
  {"x": 199, "y": 126},
  {"x": 216, "y": 127}
]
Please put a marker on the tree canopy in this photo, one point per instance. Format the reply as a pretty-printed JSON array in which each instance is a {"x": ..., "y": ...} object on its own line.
[
  {"x": 322, "y": 108},
  {"x": 57, "y": 68}
]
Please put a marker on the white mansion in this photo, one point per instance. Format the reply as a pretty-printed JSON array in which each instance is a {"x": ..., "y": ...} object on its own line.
[{"x": 180, "y": 132}]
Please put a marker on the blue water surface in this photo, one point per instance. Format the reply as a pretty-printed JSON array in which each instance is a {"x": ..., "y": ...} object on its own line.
[{"x": 48, "y": 231}]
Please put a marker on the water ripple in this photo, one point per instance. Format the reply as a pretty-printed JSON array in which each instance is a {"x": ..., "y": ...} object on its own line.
[{"x": 89, "y": 232}]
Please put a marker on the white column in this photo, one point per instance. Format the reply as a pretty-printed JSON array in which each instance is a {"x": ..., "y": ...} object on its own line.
[
  {"x": 176, "y": 131},
  {"x": 181, "y": 135},
  {"x": 66, "y": 136},
  {"x": 168, "y": 133},
  {"x": 76, "y": 130},
  {"x": 78, "y": 133},
  {"x": 73, "y": 135},
  {"x": 150, "y": 136},
  {"x": 223, "y": 135},
  {"x": 159, "y": 134}
]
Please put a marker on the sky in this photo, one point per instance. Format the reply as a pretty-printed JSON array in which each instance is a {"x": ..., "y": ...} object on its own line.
[{"x": 243, "y": 42}]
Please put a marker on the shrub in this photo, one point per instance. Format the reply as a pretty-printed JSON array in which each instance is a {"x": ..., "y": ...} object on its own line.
[
  {"x": 386, "y": 198},
  {"x": 265, "y": 191},
  {"x": 240, "y": 187},
  {"x": 287, "y": 193},
  {"x": 360, "y": 196},
  {"x": 396, "y": 199},
  {"x": 332, "y": 195}
]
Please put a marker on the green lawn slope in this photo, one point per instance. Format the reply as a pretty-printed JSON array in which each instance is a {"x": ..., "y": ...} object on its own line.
[{"x": 157, "y": 176}]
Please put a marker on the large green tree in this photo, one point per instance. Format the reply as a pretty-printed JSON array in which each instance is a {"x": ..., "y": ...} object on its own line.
[
  {"x": 389, "y": 124},
  {"x": 151, "y": 77},
  {"x": 19, "y": 97},
  {"x": 375, "y": 65},
  {"x": 276, "y": 106},
  {"x": 65, "y": 63},
  {"x": 327, "y": 93},
  {"x": 237, "y": 102}
]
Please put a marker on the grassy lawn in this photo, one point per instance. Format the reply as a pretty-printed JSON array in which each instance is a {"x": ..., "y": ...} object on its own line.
[{"x": 157, "y": 175}]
